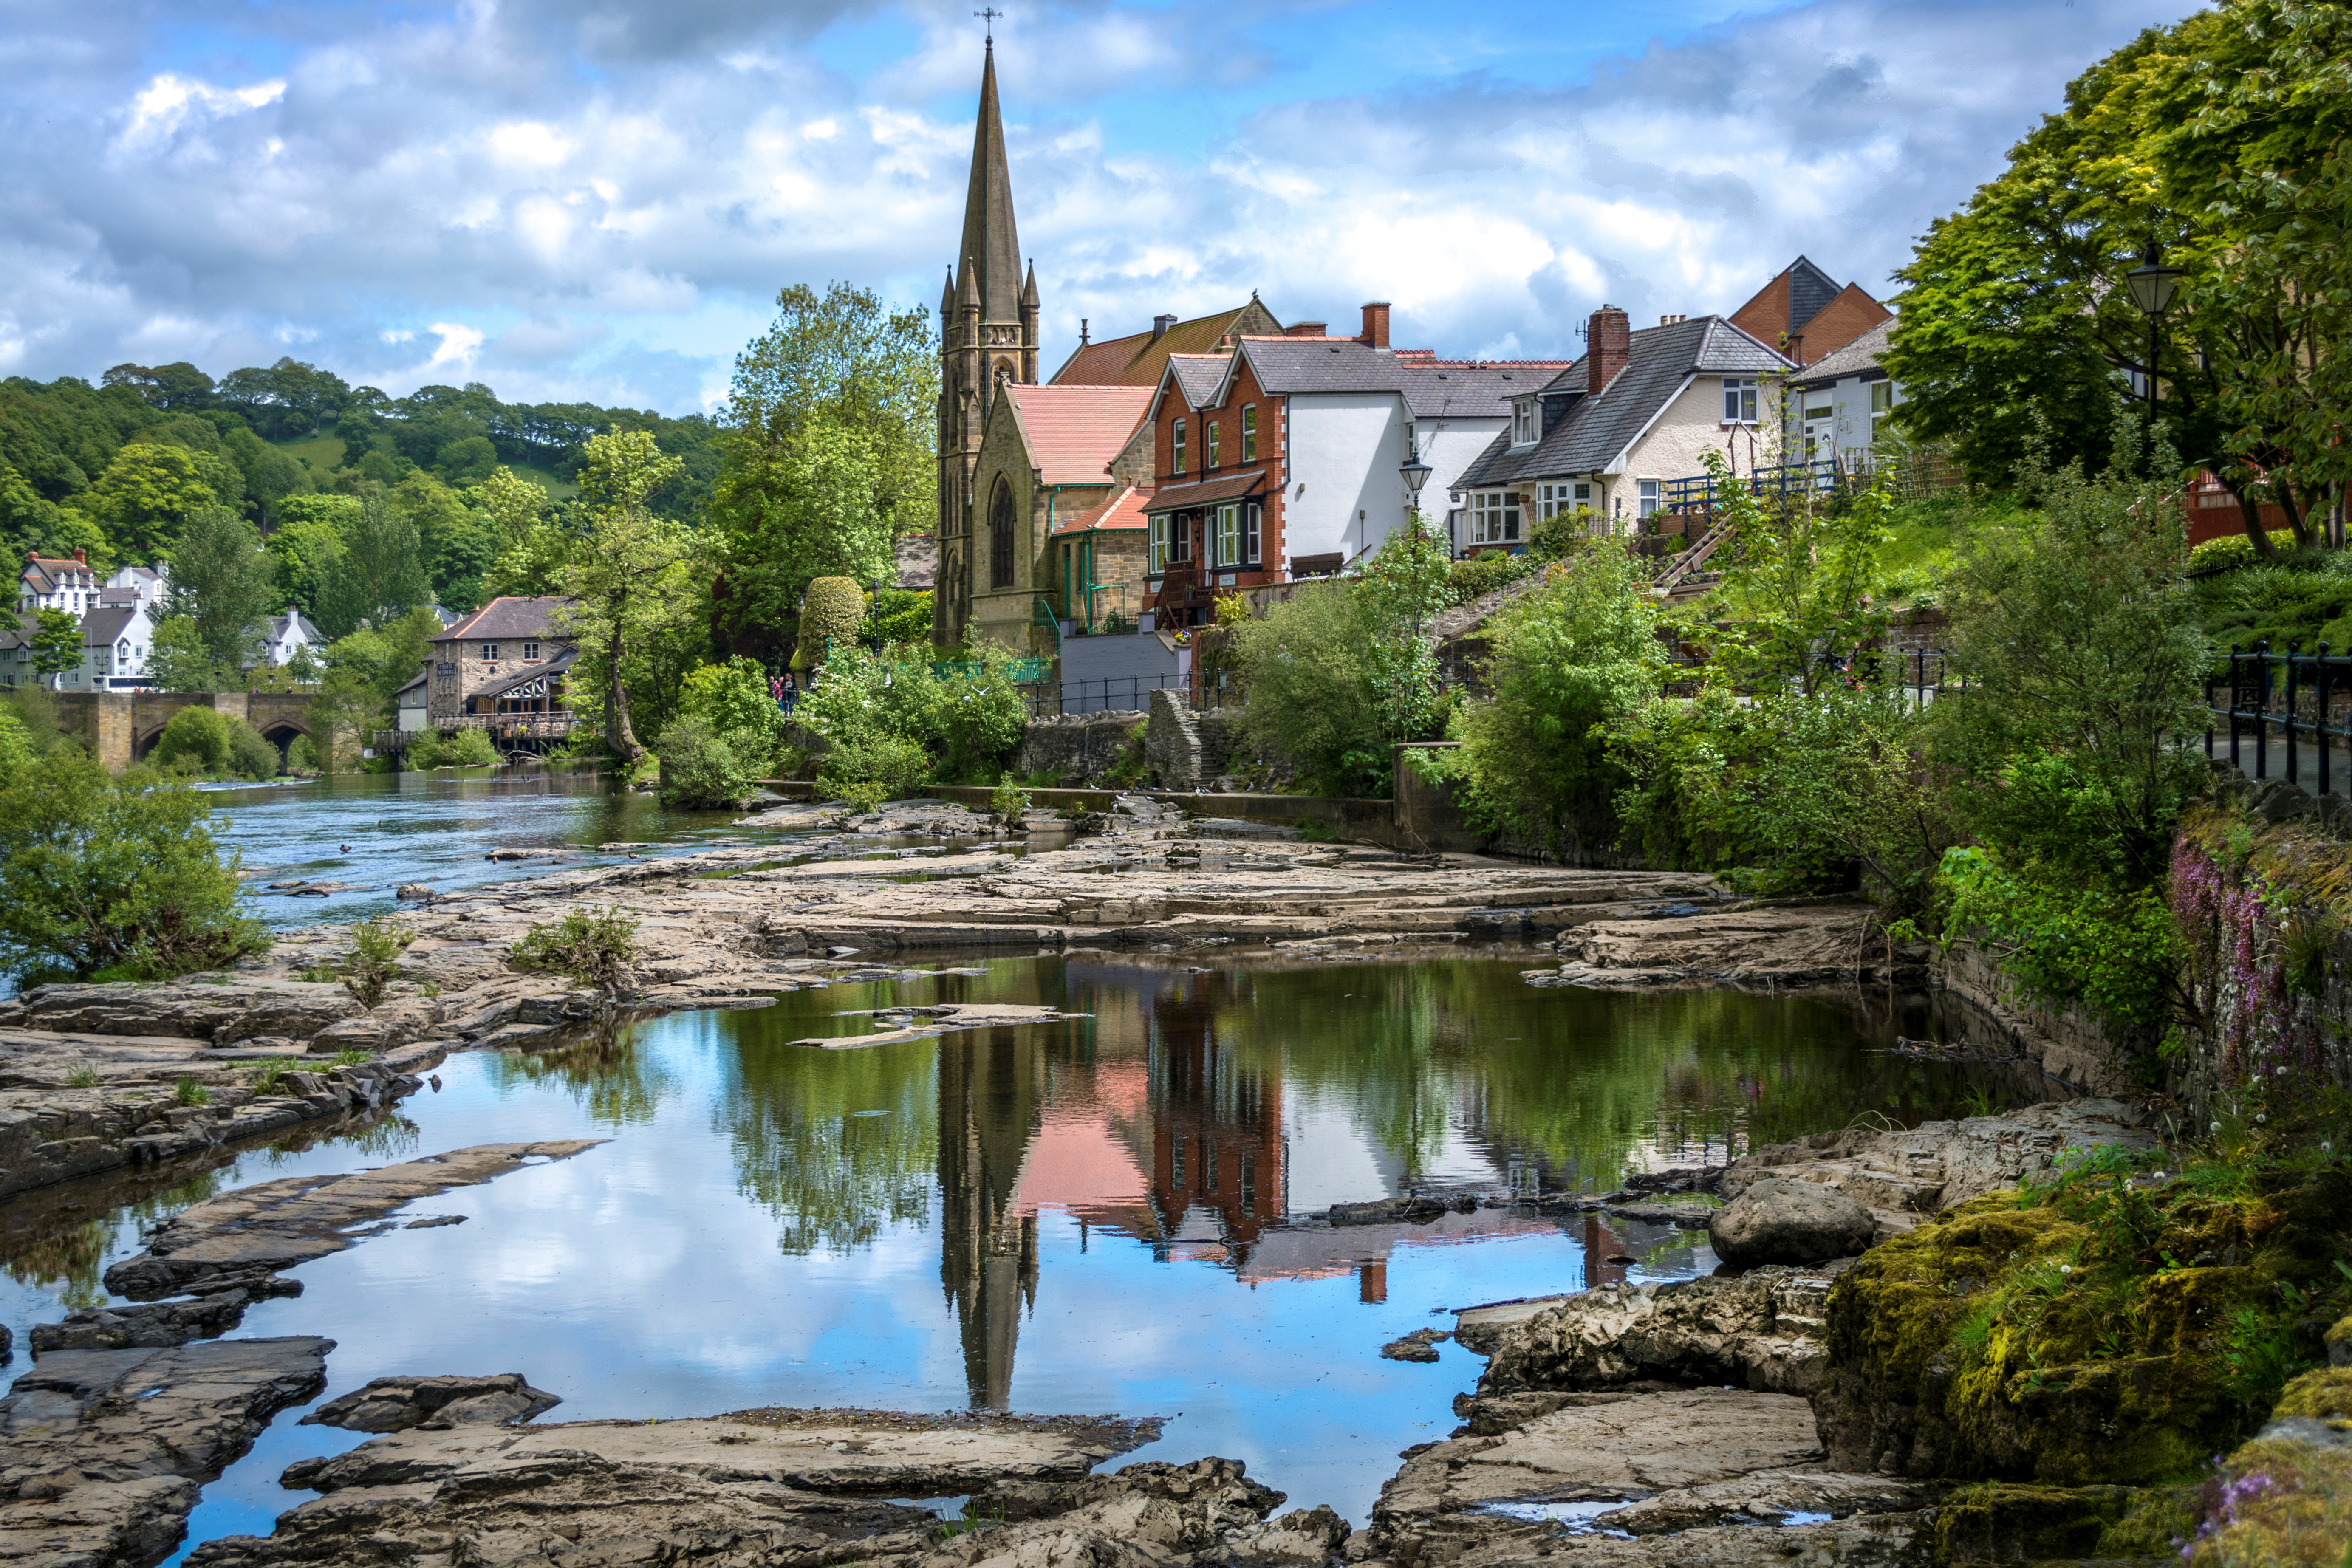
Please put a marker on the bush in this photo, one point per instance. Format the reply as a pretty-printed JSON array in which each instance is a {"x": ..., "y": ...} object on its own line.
[
  {"x": 1311, "y": 696},
  {"x": 374, "y": 958},
  {"x": 208, "y": 743},
  {"x": 589, "y": 945},
  {"x": 1477, "y": 577},
  {"x": 458, "y": 749},
  {"x": 2235, "y": 550},
  {"x": 899, "y": 615},
  {"x": 1572, "y": 655},
  {"x": 1008, "y": 801},
  {"x": 830, "y": 612},
  {"x": 865, "y": 696},
  {"x": 121, "y": 875},
  {"x": 982, "y": 713},
  {"x": 301, "y": 756},
  {"x": 895, "y": 768},
  {"x": 733, "y": 701},
  {"x": 699, "y": 768}
]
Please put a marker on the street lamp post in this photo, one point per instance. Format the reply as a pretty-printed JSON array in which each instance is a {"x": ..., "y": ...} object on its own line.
[
  {"x": 1416, "y": 474},
  {"x": 2152, "y": 283}
]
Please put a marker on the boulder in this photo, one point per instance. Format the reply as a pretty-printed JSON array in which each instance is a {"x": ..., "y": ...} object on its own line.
[
  {"x": 412, "y": 891},
  {"x": 1420, "y": 1345},
  {"x": 1790, "y": 1222},
  {"x": 1761, "y": 1329},
  {"x": 435, "y": 1404},
  {"x": 369, "y": 1034}
]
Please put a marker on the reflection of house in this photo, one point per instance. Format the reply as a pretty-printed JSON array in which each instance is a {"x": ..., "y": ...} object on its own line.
[{"x": 503, "y": 639}]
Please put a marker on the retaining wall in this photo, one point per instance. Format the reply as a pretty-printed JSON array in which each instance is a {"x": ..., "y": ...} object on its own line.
[{"x": 1086, "y": 747}]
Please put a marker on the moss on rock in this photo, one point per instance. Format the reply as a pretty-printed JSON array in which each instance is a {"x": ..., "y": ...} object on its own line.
[
  {"x": 2280, "y": 1503},
  {"x": 2103, "y": 1331},
  {"x": 2003, "y": 1522},
  {"x": 2324, "y": 1395}
]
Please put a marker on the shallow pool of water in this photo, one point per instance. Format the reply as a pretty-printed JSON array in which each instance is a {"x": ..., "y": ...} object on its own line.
[{"x": 1111, "y": 1213}]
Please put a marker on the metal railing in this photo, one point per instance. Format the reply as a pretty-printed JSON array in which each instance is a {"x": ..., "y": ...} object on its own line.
[
  {"x": 2291, "y": 693},
  {"x": 1697, "y": 493}
]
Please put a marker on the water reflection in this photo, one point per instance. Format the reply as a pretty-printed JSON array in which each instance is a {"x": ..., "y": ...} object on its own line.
[{"x": 1211, "y": 1115}]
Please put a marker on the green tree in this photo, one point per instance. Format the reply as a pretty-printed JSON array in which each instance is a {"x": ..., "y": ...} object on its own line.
[
  {"x": 307, "y": 546},
  {"x": 1312, "y": 691},
  {"x": 457, "y": 542},
  {"x": 828, "y": 453},
  {"x": 732, "y": 700},
  {"x": 57, "y": 643},
  {"x": 1794, "y": 610},
  {"x": 100, "y": 875},
  {"x": 178, "y": 660},
  {"x": 633, "y": 573},
  {"x": 1569, "y": 658},
  {"x": 150, "y": 489},
  {"x": 268, "y": 474},
  {"x": 379, "y": 574},
  {"x": 222, "y": 584}
]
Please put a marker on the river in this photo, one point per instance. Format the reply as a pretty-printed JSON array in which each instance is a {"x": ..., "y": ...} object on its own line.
[{"x": 1116, "y": 1211}]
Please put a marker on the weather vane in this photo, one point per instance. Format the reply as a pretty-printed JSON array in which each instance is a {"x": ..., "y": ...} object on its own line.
[{"x": 989, "y": 16}]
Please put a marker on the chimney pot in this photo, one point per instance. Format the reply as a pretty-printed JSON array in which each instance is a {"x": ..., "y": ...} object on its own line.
[
  {"x": 1159, "y": 325},
  {"x": 1376, "y": 324},
  {"x": 1608, "y": 344}
]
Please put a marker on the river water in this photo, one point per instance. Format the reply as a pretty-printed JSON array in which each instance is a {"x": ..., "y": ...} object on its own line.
[{"x": 1111, "y": 1213}]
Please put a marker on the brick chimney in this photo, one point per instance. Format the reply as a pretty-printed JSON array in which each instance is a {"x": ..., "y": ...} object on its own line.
[
  {"x": 1307, "y": 329},
  {"x": 1376, "y": 325},
  {"x": 1608, "y": 343}
]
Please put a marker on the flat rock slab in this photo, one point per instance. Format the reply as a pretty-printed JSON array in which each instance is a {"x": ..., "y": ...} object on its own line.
[
  {"x": 927, "y": 1023},
  {"x": 278, "y": 1225},
  {"x": 1605, "y": 1445},
  {"x": 397, "y": 1404},
  {"x": 102, "y": 1450}
]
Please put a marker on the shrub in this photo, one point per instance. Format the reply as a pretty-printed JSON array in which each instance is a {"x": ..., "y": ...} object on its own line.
[
  {"x": 1481, "y": 576},
  {"x": 865, "y": 696},
  {"x": 301, "y": 756},
  {"x": 589, "y": 945},
  {"x": 895, "y": 768},
  {"x": 458, "y": 749},
  {"x": 1008, "y": 801},
  {"x": 196, "y": 740},
  {"x": 374, "y": 957},
  {"x": 982, "y": 713},
  {"x": 733, "y": 701},
  {"x": 899, "y": 615},
  {"x": 830, "y": 612},
  {"x": 2235, "y": 550},
  {"x": 1570, "y": 656},
  {"x": 699, "y": 768},
  {"x": 188, "y": 1092},
  {"x": 118, "y": 874},
  {"x": 251, "y": 754},
  {"x": 1310, "y": 691}
]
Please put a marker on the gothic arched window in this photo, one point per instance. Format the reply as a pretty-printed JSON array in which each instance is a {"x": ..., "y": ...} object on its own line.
[{"x": 999, "y": 536}]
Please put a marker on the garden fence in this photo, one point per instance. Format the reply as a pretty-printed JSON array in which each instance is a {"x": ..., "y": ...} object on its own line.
[{"x": 2299, "y": 702}]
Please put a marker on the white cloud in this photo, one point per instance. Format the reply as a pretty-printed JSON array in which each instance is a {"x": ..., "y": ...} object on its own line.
[{"x": 649, "y": 176}]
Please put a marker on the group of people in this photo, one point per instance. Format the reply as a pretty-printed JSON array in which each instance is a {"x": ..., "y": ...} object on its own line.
[{"x": 781, "y": 687}]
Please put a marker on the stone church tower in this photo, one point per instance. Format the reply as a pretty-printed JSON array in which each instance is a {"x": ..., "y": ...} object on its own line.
[{"x": 988, "y": 339}]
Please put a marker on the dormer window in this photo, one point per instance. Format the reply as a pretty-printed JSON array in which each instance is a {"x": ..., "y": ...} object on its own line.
[
  {"x": 1523, "y": 422},
  {"x": 1739, "y": 400}
]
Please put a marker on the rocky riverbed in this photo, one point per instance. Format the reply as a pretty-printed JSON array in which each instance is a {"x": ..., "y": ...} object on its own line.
[{"x": 1653, "y": 1424}]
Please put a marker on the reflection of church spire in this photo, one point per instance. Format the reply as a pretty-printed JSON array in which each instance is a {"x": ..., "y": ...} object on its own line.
[{"x": 988, "y": 1255}]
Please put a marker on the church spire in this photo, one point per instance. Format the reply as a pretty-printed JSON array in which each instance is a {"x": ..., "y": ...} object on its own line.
[{"x": 990, "y": 244}]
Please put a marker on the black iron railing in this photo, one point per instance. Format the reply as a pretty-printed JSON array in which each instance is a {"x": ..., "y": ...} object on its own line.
[{"x": 2291, "y": 693}]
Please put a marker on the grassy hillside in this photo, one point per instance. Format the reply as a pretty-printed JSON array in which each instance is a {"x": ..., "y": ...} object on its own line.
[{"x": 322, "y": 454}]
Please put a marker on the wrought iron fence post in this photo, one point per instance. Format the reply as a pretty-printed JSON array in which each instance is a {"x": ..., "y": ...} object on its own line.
[
  {"x": 2319, "y": 727},
  {"x": 2263, "y": 710},
  {"x": 2293, "y": 714},
  {"x": 2234, "y": 705}
]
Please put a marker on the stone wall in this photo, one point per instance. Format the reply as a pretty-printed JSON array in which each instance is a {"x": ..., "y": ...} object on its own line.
[
  {"x": 1172, "y": 742},
  {"x": 1083, "y": 747}
]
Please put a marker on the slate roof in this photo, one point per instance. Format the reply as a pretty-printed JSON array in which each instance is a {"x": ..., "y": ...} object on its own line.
[
  {"x": 1809, "y": 289},
  {"x": 1137, "y": 358},
  {"x": 103, "y": 625},
  {"x": 1859, "y": 357},
  {"x": 1198, "y": 376},
  {"x": 1125, "y": 510},
  {"x": 1436, "y": 389},
  {"x": 507, "y": 618},
  {"x": 527, "y": 673},
  {"x": 20, "y": 633},
  {"x": 1596, "y": 429},
  {"x": 1430, "y": 388},
  {"x": 1075, "y": 432},
  {"x": 415, "y": 683},
  {"x": 279, "y": 627},
  {"x": 1228, "y": 486}
]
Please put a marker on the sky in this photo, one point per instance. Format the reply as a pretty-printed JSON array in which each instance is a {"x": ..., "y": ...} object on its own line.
[{"x": 598, "y": 200}]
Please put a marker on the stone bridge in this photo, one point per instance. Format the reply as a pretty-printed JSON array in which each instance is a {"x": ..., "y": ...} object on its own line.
[{"x": 121, "y": 727}]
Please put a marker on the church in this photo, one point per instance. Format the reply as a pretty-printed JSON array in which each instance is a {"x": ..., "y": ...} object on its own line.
[{"x": 1041, "y": 485}]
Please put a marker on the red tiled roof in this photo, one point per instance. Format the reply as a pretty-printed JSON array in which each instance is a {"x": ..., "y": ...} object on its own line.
[
  {"x": 1074, "y": 431},
  {"x": 1124, "y": 510}
]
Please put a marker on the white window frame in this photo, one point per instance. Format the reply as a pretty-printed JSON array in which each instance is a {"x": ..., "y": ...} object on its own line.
[
  {"x": 1176, "y": 448},
  {"x": 1210, "y": 444},
  {"x": 1249, "y": 432},
  {"x": 1494, "y": 517},
  {"x": 1649, "y": 496},
  {"x": 1524, "y": 422},
  {"x": 1160, "y": 542},
  {"x": 531, "y": 651},
  {"x": 1253, "y": 534},
  {"x": 1225, "y": 535},
  {"x": 490, "y": 652},
  {"x": 1739, "y": 400}
]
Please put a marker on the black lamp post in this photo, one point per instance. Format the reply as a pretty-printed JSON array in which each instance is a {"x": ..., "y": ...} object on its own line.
[{"x": 2152, "y": 283}]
